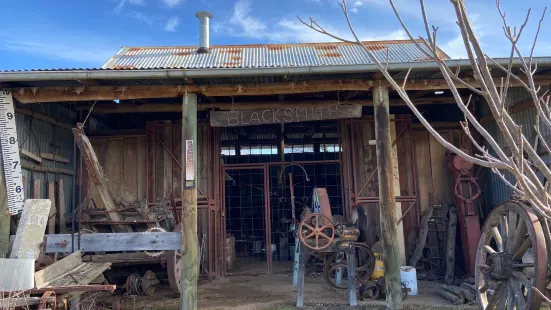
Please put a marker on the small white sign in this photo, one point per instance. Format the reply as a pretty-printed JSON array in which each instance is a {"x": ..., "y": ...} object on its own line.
[{"x": 190, "y": 166}]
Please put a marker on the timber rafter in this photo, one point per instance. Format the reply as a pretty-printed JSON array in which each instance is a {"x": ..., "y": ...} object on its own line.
[
  {"x": 108, "y": 108},
  {"x": 99, "y": 93}
]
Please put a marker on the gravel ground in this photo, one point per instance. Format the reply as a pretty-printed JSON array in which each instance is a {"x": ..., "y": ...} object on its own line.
[{"x": 276, "y": 292}]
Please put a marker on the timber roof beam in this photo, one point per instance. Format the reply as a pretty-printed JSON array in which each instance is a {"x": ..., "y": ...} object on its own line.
[{"x": 98, "y": 93}]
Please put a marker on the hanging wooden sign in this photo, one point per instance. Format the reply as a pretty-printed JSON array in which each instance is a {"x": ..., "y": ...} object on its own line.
[{"x": 283, "y": 115}]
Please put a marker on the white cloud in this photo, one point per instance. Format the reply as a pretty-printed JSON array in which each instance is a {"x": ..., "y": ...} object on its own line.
[
  {"x": 71, "y": 48},
  {"x": 249, "y": 26},
  {"x": 141, "y": 16},
  {"x": 243, "y": 23},
  {"x": 122, "y": 3},
  {"x": 171, "y": 3},
  {"x": 171, "y": 24}
]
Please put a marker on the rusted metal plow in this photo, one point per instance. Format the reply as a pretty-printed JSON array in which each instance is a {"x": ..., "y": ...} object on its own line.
[
  {"x": 347, "y": 263},
  {"x": 512, "y": 259}
]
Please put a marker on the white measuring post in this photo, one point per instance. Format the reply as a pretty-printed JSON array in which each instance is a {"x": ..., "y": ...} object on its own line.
[{"x": 10, "y": 154}]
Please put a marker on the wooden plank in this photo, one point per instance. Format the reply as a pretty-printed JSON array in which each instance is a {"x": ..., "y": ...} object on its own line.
[
  {"x": 31, "y": 155},
  {"x": 11, "y": 302},
  {"x": 450, "y": 247},
  {"x": 396, "y": 176},
  {"x": 176, "y": 169},
  {"x": 141, "y": 162},
  {"x": 98, "y": 144},
  {"x": 39, "y": 157},
  {"x": 46, "y": 169},
  {"x": 81, "y": 275},
  {"x": 30, "y": 231},
  {"x": 440, "y": 173},
  {"x": 53, "y": 209},
  {"x": 116, "y": 242},
  {"x": 190, "y": 243},
  {"x": 424, "y": 172},
  {"x": 65, "y": 289},
  {"x": 61, "y": 207},
  {"x": 387, "y": 198},
  {"x": 98, "y": 177},
  {"x": 122, "y": 258},
  {"x": 203, "y": 164},
  {"x": 279, "y": 116},
  {"x": 114, "y": 166},
  {"x": 423, "y": 233},
  {"x": 37, "y": 190},
  {"x": 158, "y": 165},
  {"x": 58, "y": 269},
  {"x": 43, "y": 117},
  {"x": 130, "y": 166},
  {"x": 99, "y": 93},
  {"x": 109, "y": 108},
  {"x": 54, "y": 157},
  {"x": 167, "y": 162}
]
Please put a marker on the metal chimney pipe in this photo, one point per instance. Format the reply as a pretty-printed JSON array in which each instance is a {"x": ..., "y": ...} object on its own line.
[{"x": 204, "y": 18}]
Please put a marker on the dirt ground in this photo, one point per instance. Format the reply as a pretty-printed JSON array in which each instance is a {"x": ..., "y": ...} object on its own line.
[{"x": 276, "y": 292}]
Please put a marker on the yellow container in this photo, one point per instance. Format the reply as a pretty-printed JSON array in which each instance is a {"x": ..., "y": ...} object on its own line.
[{"x": 379, "y": 270}]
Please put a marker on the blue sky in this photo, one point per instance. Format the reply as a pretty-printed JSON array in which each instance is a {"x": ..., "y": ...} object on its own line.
[{"x": 85, "y": 34}]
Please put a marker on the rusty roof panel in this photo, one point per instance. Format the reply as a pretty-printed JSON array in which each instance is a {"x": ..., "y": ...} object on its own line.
[{"x": 263, "y": 56}]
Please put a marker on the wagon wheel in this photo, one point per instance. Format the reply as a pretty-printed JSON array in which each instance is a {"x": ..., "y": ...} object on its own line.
[
  {"x": 511, "y": 258},
  {"x": 316, "y": 231},
  {"x": 174, "y": 266}
]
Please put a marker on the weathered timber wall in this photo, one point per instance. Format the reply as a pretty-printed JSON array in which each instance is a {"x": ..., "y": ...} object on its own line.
[
  {"x": 38, "y": 136},
  {"x": 148, "y": 167},
  {"x": 360, "y": 176}
]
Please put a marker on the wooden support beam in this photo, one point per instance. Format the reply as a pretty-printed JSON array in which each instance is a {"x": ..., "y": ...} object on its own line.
[
  {"x": 387, "y": 204},
  {"x": 98, "y": 178},
  {"x": 396, "y": 176},
  {"x": 99, "y": 93},
  {"x": 31, "y": 155},
  {"x": 190, "y": 243},
  {"x": 5, "y": 219},
  {"x": 39, "y": 157},
  {"x": 44, "y": 118},
  {"x": 61, "y": 207},
  {"x": 108, "y": 108},
  {"x": 37, "y": 189},
  {"x": 115, "y": 242},
  {"x": 46, "y": 169},
  {"x": 53, "y": 210}
]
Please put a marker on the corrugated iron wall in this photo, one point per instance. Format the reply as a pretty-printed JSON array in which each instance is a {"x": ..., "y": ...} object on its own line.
[
  {"x": 495, "y": 188},
  {"x": 39, "y": 136}
]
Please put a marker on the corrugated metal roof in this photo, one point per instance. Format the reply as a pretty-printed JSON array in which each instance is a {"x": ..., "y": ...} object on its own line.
[{"x": 264, "y": 56}]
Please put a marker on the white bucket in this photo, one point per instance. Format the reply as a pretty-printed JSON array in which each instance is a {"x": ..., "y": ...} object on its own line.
[{"x": 408, "y": 275}]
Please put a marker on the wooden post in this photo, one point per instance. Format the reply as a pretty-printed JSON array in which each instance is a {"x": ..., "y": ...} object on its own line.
[
  {"x": 53, "y": 212},
  {"x": 387, "y": 199},
  {"x": 396, "y": 176},
  {"x": 190, "y": 243},
  {"x": 4, "y": 217},
  {"x": 61, "y": 207}
]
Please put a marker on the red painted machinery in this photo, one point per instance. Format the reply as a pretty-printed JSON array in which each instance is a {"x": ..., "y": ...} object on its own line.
[{"x": 467, "y": 192}]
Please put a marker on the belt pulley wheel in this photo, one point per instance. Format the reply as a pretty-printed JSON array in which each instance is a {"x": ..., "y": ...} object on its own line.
[{"x": 316, "y": 231}]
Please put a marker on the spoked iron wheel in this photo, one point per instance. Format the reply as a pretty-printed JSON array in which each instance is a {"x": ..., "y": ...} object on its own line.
[
  {"x": 511, "y": 259},
  {"x": 365, "y": 264}
]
